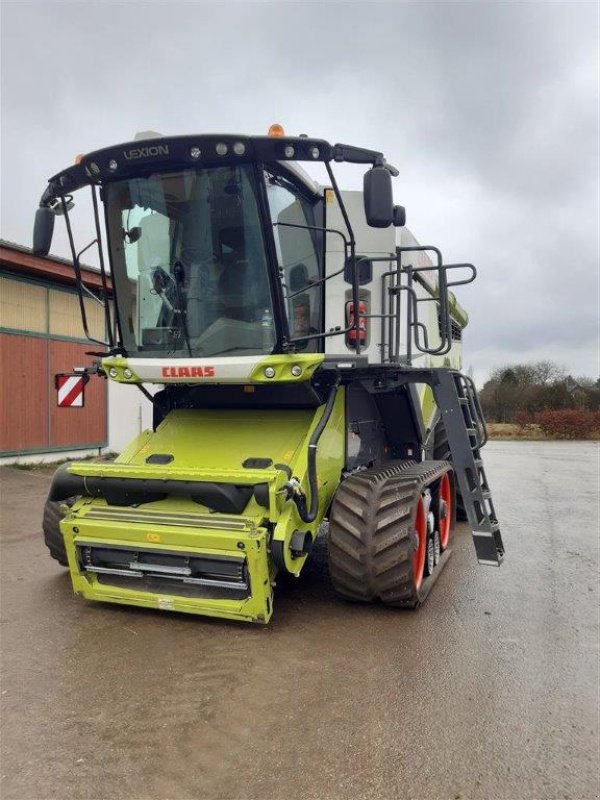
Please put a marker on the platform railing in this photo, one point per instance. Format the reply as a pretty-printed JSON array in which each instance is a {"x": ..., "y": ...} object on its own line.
[{"x": 416, "y": 333}]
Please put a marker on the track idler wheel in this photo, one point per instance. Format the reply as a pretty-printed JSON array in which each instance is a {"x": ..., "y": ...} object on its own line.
[
  {"x": 420, "y": 548},
  {"x": 445, "y": 510},
  {"x": 378, "y": 533}
]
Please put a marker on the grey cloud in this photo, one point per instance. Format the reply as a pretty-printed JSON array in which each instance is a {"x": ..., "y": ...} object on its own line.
[{"x": 489, "y": 110}]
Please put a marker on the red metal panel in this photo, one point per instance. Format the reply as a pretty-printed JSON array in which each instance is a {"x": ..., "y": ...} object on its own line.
[
  {"x": 76, "y": 426},
  {"x": 23, "y": 393}
]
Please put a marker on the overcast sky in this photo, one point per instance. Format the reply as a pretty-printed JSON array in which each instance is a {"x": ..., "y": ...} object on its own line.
[{"x": 489, "y": 110}]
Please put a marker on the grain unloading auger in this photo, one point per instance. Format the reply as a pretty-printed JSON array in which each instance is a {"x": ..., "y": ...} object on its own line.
[{"x": 308, "y": 350}]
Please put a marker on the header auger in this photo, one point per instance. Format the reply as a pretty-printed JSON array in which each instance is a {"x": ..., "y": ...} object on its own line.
[{"x": 308, "y": 350}]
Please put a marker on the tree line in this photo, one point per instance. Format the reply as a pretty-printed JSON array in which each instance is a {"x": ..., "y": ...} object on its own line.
[{"x": 519, "y": 393}]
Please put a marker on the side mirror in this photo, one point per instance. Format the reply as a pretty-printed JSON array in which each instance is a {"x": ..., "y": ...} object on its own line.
[
  {"x": 364, "y": 268},
  {"x": 399, "y": 216},
  {"x": 378, "y": 197},
  {"x": 43, "y": 229}
]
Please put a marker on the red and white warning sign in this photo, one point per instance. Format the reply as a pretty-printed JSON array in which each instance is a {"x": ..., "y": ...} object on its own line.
[{"x": 70, "y": 390}]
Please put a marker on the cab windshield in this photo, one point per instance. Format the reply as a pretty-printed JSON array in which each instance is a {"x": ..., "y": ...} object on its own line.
[{"x": 189, "y": 263}]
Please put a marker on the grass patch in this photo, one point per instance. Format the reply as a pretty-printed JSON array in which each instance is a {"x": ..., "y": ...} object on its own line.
[{"x": 507, "y": 431}]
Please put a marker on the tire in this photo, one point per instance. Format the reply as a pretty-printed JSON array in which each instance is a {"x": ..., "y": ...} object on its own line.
[
  {"x": 441, "y": 452},
  {"x": 378, "y": 533},
  {"x": 53, "y": 537},
  {"x": 437, "y": 549},
  {"x": 430, "y": 560}
]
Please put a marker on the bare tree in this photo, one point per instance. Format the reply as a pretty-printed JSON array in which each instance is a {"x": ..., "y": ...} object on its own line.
[{"x": 547, "y": 372}]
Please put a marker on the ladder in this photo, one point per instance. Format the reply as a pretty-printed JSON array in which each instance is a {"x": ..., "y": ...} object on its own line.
[{"x": 456, "y": 397}]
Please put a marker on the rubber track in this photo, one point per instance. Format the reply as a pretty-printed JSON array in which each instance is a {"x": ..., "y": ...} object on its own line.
[
  {"x": 372, "y": 532},
  {"x": 52, "y": 535}
]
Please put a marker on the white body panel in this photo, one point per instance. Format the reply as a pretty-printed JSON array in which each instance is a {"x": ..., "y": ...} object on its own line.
[
  {"x": 129, "y": 413},
  {"x": 231, "y": 369},
  {"x": 220, "y": 369},
  {"x": 369, "y": 242},
  {"x": 377, "y": 242}
]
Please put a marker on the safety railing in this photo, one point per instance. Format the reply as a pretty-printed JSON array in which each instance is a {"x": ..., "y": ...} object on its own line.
[{"x": 402, "y": 278}]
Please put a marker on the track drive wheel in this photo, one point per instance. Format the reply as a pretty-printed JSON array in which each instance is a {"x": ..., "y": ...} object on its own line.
[
  {"x": 378, "y": 533},
  {"x": 53, "y": 537}
]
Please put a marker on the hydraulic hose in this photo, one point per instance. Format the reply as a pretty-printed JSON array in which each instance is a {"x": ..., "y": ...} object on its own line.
[{"x": 310, "y": 515}]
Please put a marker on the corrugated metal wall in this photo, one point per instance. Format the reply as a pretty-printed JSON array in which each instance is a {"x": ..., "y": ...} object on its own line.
[
  {"x": 41, "y": 334},
  {"x": 64, "y": 317},
  {"x": 23, "y": 305},
  {"x": 23, "y": 393}
]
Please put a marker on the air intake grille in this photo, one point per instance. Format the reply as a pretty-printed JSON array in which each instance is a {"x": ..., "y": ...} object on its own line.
[{"x": 167, "y": 572}]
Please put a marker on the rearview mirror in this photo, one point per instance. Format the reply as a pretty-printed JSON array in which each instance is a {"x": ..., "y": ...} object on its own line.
[
  {"x": 378, "y": 197},
  {"x": 399, "y": 216},
  {"x": 43, "y": 229}
]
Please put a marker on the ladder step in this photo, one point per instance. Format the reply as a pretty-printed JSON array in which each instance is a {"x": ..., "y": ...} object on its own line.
[{"x": 490, "y": 527}]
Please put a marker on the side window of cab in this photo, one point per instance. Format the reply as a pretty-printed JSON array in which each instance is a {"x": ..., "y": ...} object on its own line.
[{"x": 299, "y": 255}]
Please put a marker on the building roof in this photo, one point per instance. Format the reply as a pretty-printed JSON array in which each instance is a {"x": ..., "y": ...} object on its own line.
[{"x": 20, "y": 259}]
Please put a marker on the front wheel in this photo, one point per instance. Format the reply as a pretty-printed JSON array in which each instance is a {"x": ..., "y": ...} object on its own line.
[{"x": 53, "y": 537}]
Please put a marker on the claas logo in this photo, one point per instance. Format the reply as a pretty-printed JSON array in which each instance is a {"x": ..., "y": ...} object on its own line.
[{"x": 188, "y": 372}]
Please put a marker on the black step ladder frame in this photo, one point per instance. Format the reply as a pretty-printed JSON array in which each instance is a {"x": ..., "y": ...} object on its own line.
[{"x": 456, "y": 397}]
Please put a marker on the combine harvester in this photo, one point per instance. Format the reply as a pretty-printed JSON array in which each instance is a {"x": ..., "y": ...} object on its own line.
[{"x": 309, "y": 353}]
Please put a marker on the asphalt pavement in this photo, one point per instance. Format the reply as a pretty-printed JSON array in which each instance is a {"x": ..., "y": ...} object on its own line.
[{"x": 490, "y": 690}]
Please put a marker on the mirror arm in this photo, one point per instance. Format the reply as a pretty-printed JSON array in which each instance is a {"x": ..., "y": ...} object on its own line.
[
  {"x": 355, "y": 286},
  {"x": 107, "y": 316}
]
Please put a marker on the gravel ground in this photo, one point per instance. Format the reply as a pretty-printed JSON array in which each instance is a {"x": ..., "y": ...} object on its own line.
[{"x": 488, "y": 691}]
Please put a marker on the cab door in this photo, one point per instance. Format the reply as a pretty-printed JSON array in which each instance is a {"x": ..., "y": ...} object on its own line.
[{"x": 299, "y": 247}]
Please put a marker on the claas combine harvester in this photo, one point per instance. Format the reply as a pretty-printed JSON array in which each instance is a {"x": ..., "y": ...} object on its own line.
[{"x": 301, "y": 352}]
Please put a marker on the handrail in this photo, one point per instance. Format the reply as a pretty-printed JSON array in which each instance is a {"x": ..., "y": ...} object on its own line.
[
  {"x": 482, "y": 436},
  {"x": 79, "y": 280},
  {"x": 391, "y": 306}
]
